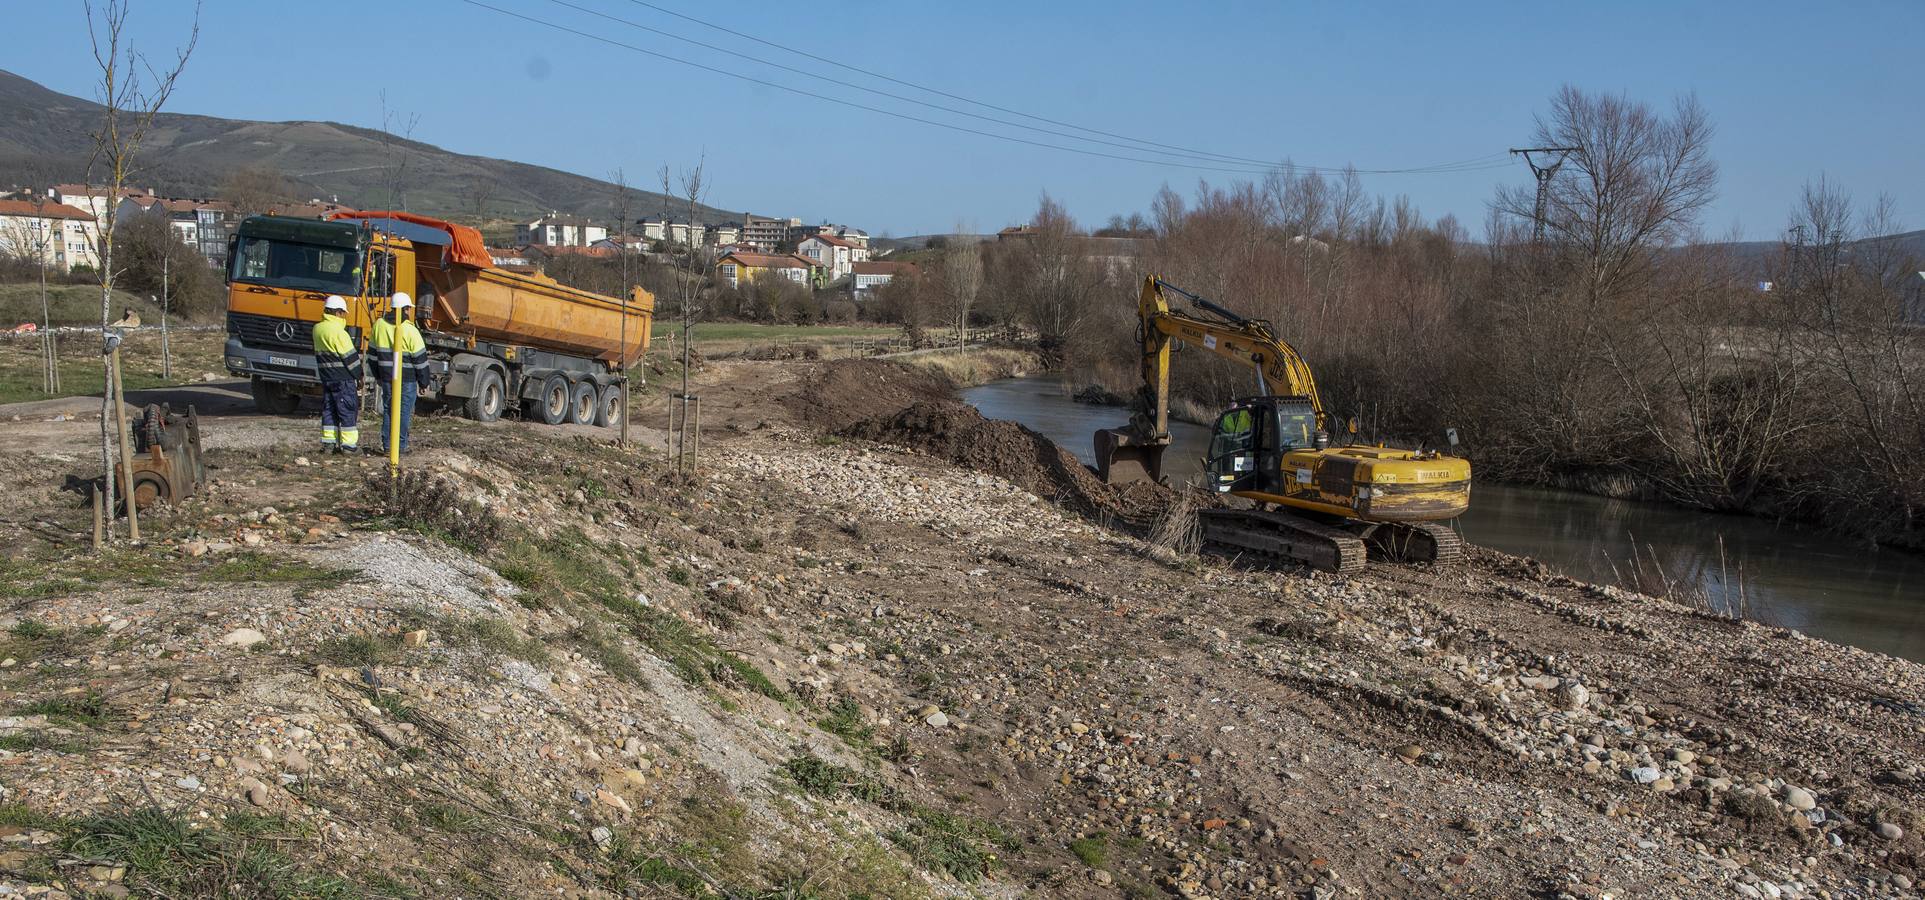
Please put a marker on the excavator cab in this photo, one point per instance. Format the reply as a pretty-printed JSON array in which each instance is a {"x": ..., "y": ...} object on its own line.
[
  {"x": 1232, "y": 463},
  {"x": 1249, "y": 440}
]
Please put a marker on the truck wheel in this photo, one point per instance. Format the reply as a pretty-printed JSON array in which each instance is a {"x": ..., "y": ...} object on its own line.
[
  {"x": 485, "y": 405},
  {"x": 273, "y": 397},
  {"x": 553, "y": 403},
  {"x": 608, "y": 406},
  {"x": 581, "y": 403}
]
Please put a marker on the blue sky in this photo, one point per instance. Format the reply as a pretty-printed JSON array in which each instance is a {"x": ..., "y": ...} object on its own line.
[{"x": 1798, "y": 90}]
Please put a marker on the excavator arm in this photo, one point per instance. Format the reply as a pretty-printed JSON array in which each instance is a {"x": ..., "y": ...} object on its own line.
[
  {"x": 1279, "y": 368},
  {"x": 1136, "y": 452}
]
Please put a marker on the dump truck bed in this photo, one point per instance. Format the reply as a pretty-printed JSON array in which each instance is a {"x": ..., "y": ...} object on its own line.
[
  {"x": 476, "y": 300},
  {"x": 534, "y": 310}
]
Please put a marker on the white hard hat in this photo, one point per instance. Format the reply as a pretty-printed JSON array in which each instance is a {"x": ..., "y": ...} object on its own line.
[
  {"x": 334, "y": 301},
  {"x": 401, "y": 300}
]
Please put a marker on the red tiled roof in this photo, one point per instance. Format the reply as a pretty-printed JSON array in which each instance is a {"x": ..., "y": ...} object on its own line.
[
  {"x": 833, "y": 241},
  {"x": 590, "y": 252},
  {"x": 767, "y": 261},
  {"x": 87, "y": 190},
  {"x": 47, "y": 210},
  {"x": 883, "y": 268}
]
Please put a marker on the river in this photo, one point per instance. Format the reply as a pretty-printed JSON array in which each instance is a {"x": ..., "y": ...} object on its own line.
[{"x": 1838, "y": 589}]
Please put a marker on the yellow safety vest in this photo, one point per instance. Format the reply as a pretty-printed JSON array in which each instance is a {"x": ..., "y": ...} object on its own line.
[
  {"x": 414, "y": 351},
  {"x": 334, "y": 350}
]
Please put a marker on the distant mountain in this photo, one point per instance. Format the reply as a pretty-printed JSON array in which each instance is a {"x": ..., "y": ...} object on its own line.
[
  {"x": 44, "y": 138},
  {"x": 1756, "y": 256},
  {"x": 920, "y": 241}
]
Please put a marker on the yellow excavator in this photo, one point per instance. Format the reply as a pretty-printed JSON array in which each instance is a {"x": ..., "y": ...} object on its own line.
[{"x": 1326, "y": 507}]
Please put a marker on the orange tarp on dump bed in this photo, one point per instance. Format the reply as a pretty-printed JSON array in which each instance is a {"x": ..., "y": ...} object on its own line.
[{"x": 466, "y": 247}]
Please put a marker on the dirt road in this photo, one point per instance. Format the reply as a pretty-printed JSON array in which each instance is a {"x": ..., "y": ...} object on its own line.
[{"x": 941, "y": 665}]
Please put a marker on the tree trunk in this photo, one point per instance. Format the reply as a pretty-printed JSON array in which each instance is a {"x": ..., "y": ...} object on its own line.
[{"x": 107, "y": 396}]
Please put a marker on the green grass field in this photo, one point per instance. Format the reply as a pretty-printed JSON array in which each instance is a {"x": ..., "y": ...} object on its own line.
[
  {"x": 73, "y": 304},
  {"x": 81, "y": 372}
]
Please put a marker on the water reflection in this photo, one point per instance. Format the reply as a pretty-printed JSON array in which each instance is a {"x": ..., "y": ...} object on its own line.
[{"x": 1833, "y": 588}]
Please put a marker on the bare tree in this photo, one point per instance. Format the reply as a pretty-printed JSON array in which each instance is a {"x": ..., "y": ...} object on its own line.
[
  {"x": 253, "y": 190},
  {"x": 688, "y": 189},
  {"x": 623, "y": 198},
  {"x": 961, "y": 270},
  {"x": 1049, "y": 275},
  {"x": 482, "y": 190},
  {"x": 31, "y": 241},
  {"x": 131, "y": 93},
  {"x": 399, "y": 148}
]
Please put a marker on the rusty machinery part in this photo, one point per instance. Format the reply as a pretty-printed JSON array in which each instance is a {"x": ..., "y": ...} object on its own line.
[
  {"x": 167, "y": 467},
  {"x": 1277, "y": 538}
]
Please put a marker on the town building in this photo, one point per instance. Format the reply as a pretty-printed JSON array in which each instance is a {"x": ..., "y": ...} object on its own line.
[
  {"x": 59, "y": 235},
  {"x": 768, "y": 235},
  {"x": 867, "y": 277},
  {"x": 205, "y": 225},
  {"x": 557, "y": 230},
  {"x": 95, "y": 200},
  {"x": 832, "y": 253},
  {"x": 688, "y": 234},
  {"x": 738, "y": 268}
]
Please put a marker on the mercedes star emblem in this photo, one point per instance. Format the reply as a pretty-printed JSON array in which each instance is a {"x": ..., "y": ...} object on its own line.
[{"x": 285, "y": 331}]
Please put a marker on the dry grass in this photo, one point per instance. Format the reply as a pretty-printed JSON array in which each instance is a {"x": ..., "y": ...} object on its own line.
[
  {"x": 1175, "y": 534},
  {"x": 978, "y": 365}
]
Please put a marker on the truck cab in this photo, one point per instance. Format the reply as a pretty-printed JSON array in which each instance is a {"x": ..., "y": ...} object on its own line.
[{"x": 280, "y": 271}]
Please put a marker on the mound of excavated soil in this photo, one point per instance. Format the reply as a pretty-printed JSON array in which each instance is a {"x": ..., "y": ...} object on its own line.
[
  {"x": 955, "y": 431},
  {"x": 839, "y": 394}
]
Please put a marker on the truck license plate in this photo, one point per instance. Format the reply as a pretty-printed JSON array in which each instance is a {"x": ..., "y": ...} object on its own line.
[{"x": 288, "y": 361}]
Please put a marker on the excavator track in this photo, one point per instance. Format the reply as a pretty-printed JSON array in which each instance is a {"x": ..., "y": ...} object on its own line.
[
  {"x": 1284, "y": 538},
  {"x": 1417, "y": 542}
]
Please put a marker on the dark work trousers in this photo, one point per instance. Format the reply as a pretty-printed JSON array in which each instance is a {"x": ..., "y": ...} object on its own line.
[{"x": 340, "y": 415}]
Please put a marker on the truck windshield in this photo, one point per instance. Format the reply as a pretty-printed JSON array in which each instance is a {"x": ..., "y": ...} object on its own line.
[{"x": 288, "y": 264}]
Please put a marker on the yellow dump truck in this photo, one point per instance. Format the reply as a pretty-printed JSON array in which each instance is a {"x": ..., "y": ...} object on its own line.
[{"x": 495, "y": 338}]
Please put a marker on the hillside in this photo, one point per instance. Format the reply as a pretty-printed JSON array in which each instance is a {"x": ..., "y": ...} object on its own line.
[{"x": 43, "y": 137}]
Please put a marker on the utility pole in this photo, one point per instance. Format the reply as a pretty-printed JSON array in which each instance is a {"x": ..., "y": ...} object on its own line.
[{"x": 1544, "y": 174}]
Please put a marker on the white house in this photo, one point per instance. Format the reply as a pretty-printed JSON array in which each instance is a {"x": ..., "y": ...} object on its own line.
[
  {"x": 835, "y": 255},
  {"x": 868, "y": 276},
  {"x": 556, "y": 230},
  {"x": 95, "y": 200},
  {"x": 61, "y": 235}
]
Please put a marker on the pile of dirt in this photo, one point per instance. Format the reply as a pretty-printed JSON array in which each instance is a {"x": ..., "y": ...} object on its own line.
[
  {"x": 837, "y": 395},
  {"x": 956, "y": 432}
]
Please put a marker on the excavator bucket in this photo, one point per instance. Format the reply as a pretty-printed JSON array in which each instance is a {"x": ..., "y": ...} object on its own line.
[
  {"x": 167, "y": 462},
  {"x": 1123, "y": 456}
]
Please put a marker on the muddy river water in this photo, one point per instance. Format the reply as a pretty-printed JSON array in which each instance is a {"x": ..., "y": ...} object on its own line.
[{"x": 1827, "y": 586}]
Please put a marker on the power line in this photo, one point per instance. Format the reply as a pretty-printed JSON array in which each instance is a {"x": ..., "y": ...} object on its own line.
[
  {"x": 1439, "y": 168},
  {"x": 894, "y": 113},
  {"x": 1132, "y": 145},
  {"x": 1200, "y": 156}
]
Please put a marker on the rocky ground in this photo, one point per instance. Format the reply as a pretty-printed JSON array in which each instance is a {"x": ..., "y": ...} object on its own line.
[{"x": 873, "y": 647}]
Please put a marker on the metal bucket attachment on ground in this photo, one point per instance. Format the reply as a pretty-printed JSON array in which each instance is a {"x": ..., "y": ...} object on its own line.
[
  {"x": 1123, "y": 456},
  {"x": 167, "y": 457}
]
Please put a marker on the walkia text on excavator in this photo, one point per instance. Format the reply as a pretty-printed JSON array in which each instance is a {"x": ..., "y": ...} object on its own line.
[{"x": 1327, "y": 507}]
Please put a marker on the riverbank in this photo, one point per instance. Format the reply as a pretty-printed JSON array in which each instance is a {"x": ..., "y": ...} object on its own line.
[
  {"x": 824, "y": 666},
  {"x": 1774, "y": 573},
  {"x": 1625, "y": 483}
]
